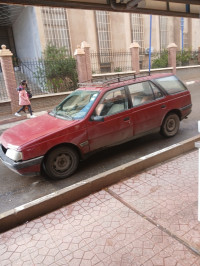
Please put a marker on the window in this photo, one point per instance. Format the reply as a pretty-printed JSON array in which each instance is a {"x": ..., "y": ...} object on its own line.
[
  {"x": 56, "y": 29},
  {"x": 171, "y": 84},
  {"x": 163, "y": 32},
  {"x": 113, "y": 102},
  {"x": 137, "y": 30},
  {"x": 104, "y": 39},
  {"x": 140, "y": 93}
]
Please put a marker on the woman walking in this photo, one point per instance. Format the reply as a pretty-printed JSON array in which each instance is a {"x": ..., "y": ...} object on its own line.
[{"x": 24, "y": 100}]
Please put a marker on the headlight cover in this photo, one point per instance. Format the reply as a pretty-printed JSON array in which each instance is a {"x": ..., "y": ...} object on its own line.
[{"x": 14, "y": 155}]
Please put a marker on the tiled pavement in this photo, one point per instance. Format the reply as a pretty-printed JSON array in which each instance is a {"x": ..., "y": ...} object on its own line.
[{"x": 149, "y": 219}]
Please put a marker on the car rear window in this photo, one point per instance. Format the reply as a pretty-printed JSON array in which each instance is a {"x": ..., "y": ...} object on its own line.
[{"x": 171, "y": 84}]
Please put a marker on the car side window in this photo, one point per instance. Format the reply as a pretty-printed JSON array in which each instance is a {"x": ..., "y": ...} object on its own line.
[
  {"x": 141, "y": 93},
  {"x": 113, "y": 102},
  {"x": 157, "y": 93},
  {"x": 171, "y": 84}
]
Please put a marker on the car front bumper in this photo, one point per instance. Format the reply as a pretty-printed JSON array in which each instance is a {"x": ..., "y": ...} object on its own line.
[{"x": 28, "y": 167}]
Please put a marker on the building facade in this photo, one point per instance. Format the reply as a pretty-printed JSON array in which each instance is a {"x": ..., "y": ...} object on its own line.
[{"x": 34, "y": 27}]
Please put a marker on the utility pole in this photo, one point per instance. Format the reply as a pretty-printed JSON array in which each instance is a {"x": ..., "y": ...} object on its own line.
[{"x": 150, "y": 44}]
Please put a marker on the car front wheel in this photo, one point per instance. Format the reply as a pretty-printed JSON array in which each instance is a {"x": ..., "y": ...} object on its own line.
[
  {"x": 61, "y": 162},
  {"x": 170, "y": 125}
]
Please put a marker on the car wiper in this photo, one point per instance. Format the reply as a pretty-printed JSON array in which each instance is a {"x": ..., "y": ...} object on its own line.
[
  {"x": 68, "y": 116},
  {"x": 52, "y": 112}
]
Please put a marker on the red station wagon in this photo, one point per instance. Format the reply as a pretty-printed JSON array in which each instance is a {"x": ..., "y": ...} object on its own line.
[{"x": 93, "y": 117}]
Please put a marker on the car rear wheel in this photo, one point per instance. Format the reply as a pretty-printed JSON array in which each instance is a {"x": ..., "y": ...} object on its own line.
[
  {"x": 61, "y": 162},
  {"x": 170, "y": 125}
]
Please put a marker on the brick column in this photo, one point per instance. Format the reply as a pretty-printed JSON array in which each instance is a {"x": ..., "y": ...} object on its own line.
[
  {"x": 134, "y": 47},
  {"x": 86, "y": 47},
  {"x": 172, "y": 56},
  {"x": 199, "y": 54},
  {"x": 9, "y": 77},
  {"x": 81, "y": 64}
]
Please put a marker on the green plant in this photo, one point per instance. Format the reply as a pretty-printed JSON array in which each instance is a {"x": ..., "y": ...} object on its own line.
[
  {"x": 183, "y": 57},
  {"x": 117, "y": 69},
  {"x": 16, "y": 61},
  {"x": 56, "y": 71},
  {"x": 161, "y": 61}
]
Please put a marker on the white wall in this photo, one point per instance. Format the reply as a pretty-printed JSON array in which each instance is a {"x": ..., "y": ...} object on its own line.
[
  {"x": 195, "y": 34},
  {"x": 26, "y": 35}
]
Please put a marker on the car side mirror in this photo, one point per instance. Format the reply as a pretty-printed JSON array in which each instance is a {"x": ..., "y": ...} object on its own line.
[{"x": 97, "y": 118}]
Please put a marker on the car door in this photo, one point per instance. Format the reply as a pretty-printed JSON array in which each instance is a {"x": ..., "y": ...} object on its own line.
[
  {"x": 111, "y": 121},
  {"x": 149, "y": 106}
]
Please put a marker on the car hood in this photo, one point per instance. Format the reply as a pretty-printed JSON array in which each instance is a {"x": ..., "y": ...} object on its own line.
[{"x": 33, "y": 129}]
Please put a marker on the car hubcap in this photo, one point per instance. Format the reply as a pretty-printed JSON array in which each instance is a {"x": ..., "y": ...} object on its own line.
[
  {"x": 62, "y": 162},
  {"x": 171, "y": 125}
]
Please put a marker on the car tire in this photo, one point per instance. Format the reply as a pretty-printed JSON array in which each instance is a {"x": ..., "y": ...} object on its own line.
[
  {"x": 170, "y": 125},
  {"x": 61, "y": 162}
]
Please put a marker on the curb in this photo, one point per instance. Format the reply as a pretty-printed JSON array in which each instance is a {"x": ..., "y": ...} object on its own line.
[
  {"x": 12, "y": 119},
  {"x": 20, "y": 118},
  {"x": 60, "y": 198}
]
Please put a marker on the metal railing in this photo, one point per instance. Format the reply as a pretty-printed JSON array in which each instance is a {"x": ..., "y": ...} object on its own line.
[
  {"x": 187, "y": 58},
  {"x": 43, "y": 76},
  {"x": 110, "y": 61},
  {"x": 36, "y": 71},
  {"x": 3, "y": 91}
]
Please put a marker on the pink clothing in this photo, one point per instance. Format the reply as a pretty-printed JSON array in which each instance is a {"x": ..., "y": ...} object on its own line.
[{"x": 23, "y": 98}]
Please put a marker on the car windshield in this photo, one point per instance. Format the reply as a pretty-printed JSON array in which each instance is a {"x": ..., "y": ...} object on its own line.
[{"x": 76, "y": 105}]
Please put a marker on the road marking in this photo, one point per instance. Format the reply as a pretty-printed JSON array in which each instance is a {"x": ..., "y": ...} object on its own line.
[
  {"x": 190, "y": 82},
  {"x": 158, "y": 152}
]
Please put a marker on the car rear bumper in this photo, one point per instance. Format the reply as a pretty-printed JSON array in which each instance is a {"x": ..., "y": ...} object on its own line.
[
  {"x": 185, "y": 111},
  {"x": 28, "y": 167}
]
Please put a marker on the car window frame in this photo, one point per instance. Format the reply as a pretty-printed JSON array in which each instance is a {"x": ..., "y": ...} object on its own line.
[
  {"x": 102, "y": 98},
  {"x": 160, "y": 90},
  {"x": 146, "y": 102},
  {"x": 163, "y": 88}
]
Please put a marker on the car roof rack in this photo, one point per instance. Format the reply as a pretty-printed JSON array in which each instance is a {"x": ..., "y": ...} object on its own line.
[{"x": 106, "y": 81}]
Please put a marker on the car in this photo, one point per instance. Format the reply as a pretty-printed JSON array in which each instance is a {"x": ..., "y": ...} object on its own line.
[{"x": 93, "y": 117}]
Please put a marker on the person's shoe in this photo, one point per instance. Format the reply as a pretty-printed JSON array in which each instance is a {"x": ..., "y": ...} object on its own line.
[
  {"x": 32, "y": 116},
  {"x": 17, "y": 114}
]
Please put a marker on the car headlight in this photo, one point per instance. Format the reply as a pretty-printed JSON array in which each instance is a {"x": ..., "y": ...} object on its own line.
[{"x": 14, "y": 155}]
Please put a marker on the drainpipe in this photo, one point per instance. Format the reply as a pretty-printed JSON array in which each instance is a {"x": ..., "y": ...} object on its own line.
[{"x": 121, "y": 7}]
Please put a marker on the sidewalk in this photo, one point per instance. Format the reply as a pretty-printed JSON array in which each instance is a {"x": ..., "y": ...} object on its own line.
[
  {"x": 147, "y": 219},
  {"x": 10, "y": 120}
]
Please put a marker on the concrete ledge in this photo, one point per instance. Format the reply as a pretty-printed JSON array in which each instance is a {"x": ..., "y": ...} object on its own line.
[
  {"x": 60, "y": 198},
  {"x": 12, "y": 119}
]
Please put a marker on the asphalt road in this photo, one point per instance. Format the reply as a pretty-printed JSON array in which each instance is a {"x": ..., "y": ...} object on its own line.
[{"x": 17, "y": 190}]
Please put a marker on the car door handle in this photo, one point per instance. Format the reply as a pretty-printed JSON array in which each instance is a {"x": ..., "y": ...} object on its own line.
[
  {"x": 163, "y": 106},
  {"x": 126, "y": 118}
]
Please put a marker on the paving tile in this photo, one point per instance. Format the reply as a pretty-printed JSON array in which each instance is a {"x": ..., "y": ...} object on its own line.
[
  {"x": 173, "y": 255},
  {"x": 85, "y": 256},
  {"x": 193, "y": 235},
  {"x": 120, "y": 188},
  {"x": 12, "y": 247},
  {"x": 122, "y": 257},
  {"x": 102, "y": 230}
]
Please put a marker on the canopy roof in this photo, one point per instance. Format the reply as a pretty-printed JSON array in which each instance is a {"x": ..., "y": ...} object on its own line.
[{"x": 180, "y": 8}]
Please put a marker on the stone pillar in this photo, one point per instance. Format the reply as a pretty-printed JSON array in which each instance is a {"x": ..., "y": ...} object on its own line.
[
  {"x": 172, "y": 56},
  {"x": 86, "y": 47},
  {"x": 135, "y": 62},
  {"x": 199, "y": 55},
  {"x": 81, "y": 64},
  {"x": 9, "y": 77}
]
